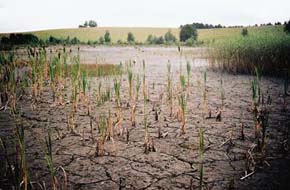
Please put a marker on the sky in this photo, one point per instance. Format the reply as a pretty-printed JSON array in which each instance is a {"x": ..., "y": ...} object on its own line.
[{"x": 30, "y": 15}]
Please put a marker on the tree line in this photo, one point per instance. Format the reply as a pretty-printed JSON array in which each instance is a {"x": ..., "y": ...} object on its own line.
[
  {"x": 204, "y": 26},
  {"x": 90, "y": 23}
]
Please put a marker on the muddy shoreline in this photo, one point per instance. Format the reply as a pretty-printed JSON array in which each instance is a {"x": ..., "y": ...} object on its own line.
[{"x": 175, "y": 163}]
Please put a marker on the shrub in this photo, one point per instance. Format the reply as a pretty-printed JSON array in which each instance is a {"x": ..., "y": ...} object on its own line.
[
  {"x": 190, "y": 42},
  {"x": 287, "y": 27},
  {"x": 187, "y": 31},
  {"x": 150, "y": 39},
  {"x": 67, "y": 40},
  {"x": 53, "y": 40},
  {"x": 130, "y": 38},
  {"x": 5, "y": 40},
  {"x": 159, "y": 40},
  {"x": 155, "y": 40},
  {"x": 121, "y": 42},
  {"x": 90, "y": 42},
  {"x": 101, "y": 40},
  {"x": 107, "y": 37},
  {"x": 169, "y": 37},
  {"x": 244, "y": 32},
  {"x": 75, "y": 40}
]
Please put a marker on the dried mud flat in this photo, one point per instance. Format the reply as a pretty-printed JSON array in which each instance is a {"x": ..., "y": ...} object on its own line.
[{"x": 175, "y": 163}]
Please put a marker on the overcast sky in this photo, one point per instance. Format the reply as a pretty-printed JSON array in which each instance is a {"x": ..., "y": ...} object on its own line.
[{"x": 28, "y": 15}]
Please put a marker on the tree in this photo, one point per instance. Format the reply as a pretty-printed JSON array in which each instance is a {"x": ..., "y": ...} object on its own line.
[
  {"x": 130, "y": 37},
  {"x": 93, "y": 23},
  {"x": 186, "y": 32},
  {"x": 17, "y": 39},
  {"x": 244, "y": 32},
  {"x": 287, "y": 27},
  {"x": 169, "y": 37},
  {"x": 107, "y": 37},
  {"x": 5, "y": 40},
  {"x": 86, "y": 24},
  {"x": 150, "y": 39}
]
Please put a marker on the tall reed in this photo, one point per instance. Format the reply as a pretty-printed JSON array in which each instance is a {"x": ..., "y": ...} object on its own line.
[
  {"x": 21, "y": 148},
  {"x": 117, "y": 89},
  {"x": 201, "y": 157},
  {"x": 75, "y": 75},
  {"x": 268, "y": 49},
  {"x": 188, "y": 71},
  {"x": 138, "y": 85},
  {"x": 130, "y": 79},
  {"x": 182, "y": 104},
  {"x": 49, "y": 160}
]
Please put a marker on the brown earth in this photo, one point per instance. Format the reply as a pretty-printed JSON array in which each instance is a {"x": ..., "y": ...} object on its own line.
[{"x": 175, "y": 164}]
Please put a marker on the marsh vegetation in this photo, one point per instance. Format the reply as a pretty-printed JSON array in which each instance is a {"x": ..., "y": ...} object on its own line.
[{"x": 78, "y": 117}]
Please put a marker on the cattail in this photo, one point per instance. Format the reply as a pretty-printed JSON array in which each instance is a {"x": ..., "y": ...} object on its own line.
[{"x": 201, "y": 151}]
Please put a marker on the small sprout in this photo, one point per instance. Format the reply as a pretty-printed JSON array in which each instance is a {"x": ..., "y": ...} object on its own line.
[
  {"x": 127, "y": 135},
  {"x": 242, "y": 132},
  {"x": 201, "y": 152},
  {"x": 156, "y": 115},
  {"x": 218, "y": 115}
]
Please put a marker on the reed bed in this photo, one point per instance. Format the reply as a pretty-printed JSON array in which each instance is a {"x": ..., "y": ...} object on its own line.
[
  {"x": 267, "y": 50},
  {"x": 97, "y": 70}
]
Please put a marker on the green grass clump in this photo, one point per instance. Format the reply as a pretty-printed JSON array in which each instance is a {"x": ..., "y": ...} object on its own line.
[
  {"x": 201, "y": 157},
  {"x": 267, "y": 49},
  {"x": 49, "y": 160},
  {"x": 182, "y": 103},
  {"x": 188, "y": 70},
  {"x": 130, "y": 78},
  {"x": 84, "y": 80},
  {"x": 117, "y": 89},
  {"x": 23, "y": 165},
  {"x": 97, "y": 70}
]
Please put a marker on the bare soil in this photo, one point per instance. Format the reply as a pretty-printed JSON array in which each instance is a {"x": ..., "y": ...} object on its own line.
[{"x": 175, "y": 164}]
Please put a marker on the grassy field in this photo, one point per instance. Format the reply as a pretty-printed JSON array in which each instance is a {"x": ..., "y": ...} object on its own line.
[
  {"x": 224, "y": 34},
  {"x": 141, "y": 33},
  {"x": 117, "y": 33}
]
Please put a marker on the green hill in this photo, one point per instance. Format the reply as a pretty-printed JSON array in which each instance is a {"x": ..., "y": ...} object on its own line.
[{"x": 141, "y": 33}]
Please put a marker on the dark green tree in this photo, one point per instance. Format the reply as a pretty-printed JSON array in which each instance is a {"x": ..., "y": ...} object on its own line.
[
  {"x": 86, "y": 24},
  {"x": 107, "y": 37},
  {"x": 93, "y": 23},
  {"x": 75, "y": 40},
  {"x": 244, "y": 32},
  {"x": 187, "y": 31},
  {"x": 130, "y": 37},
  {"x": 287, "y": 27}
]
